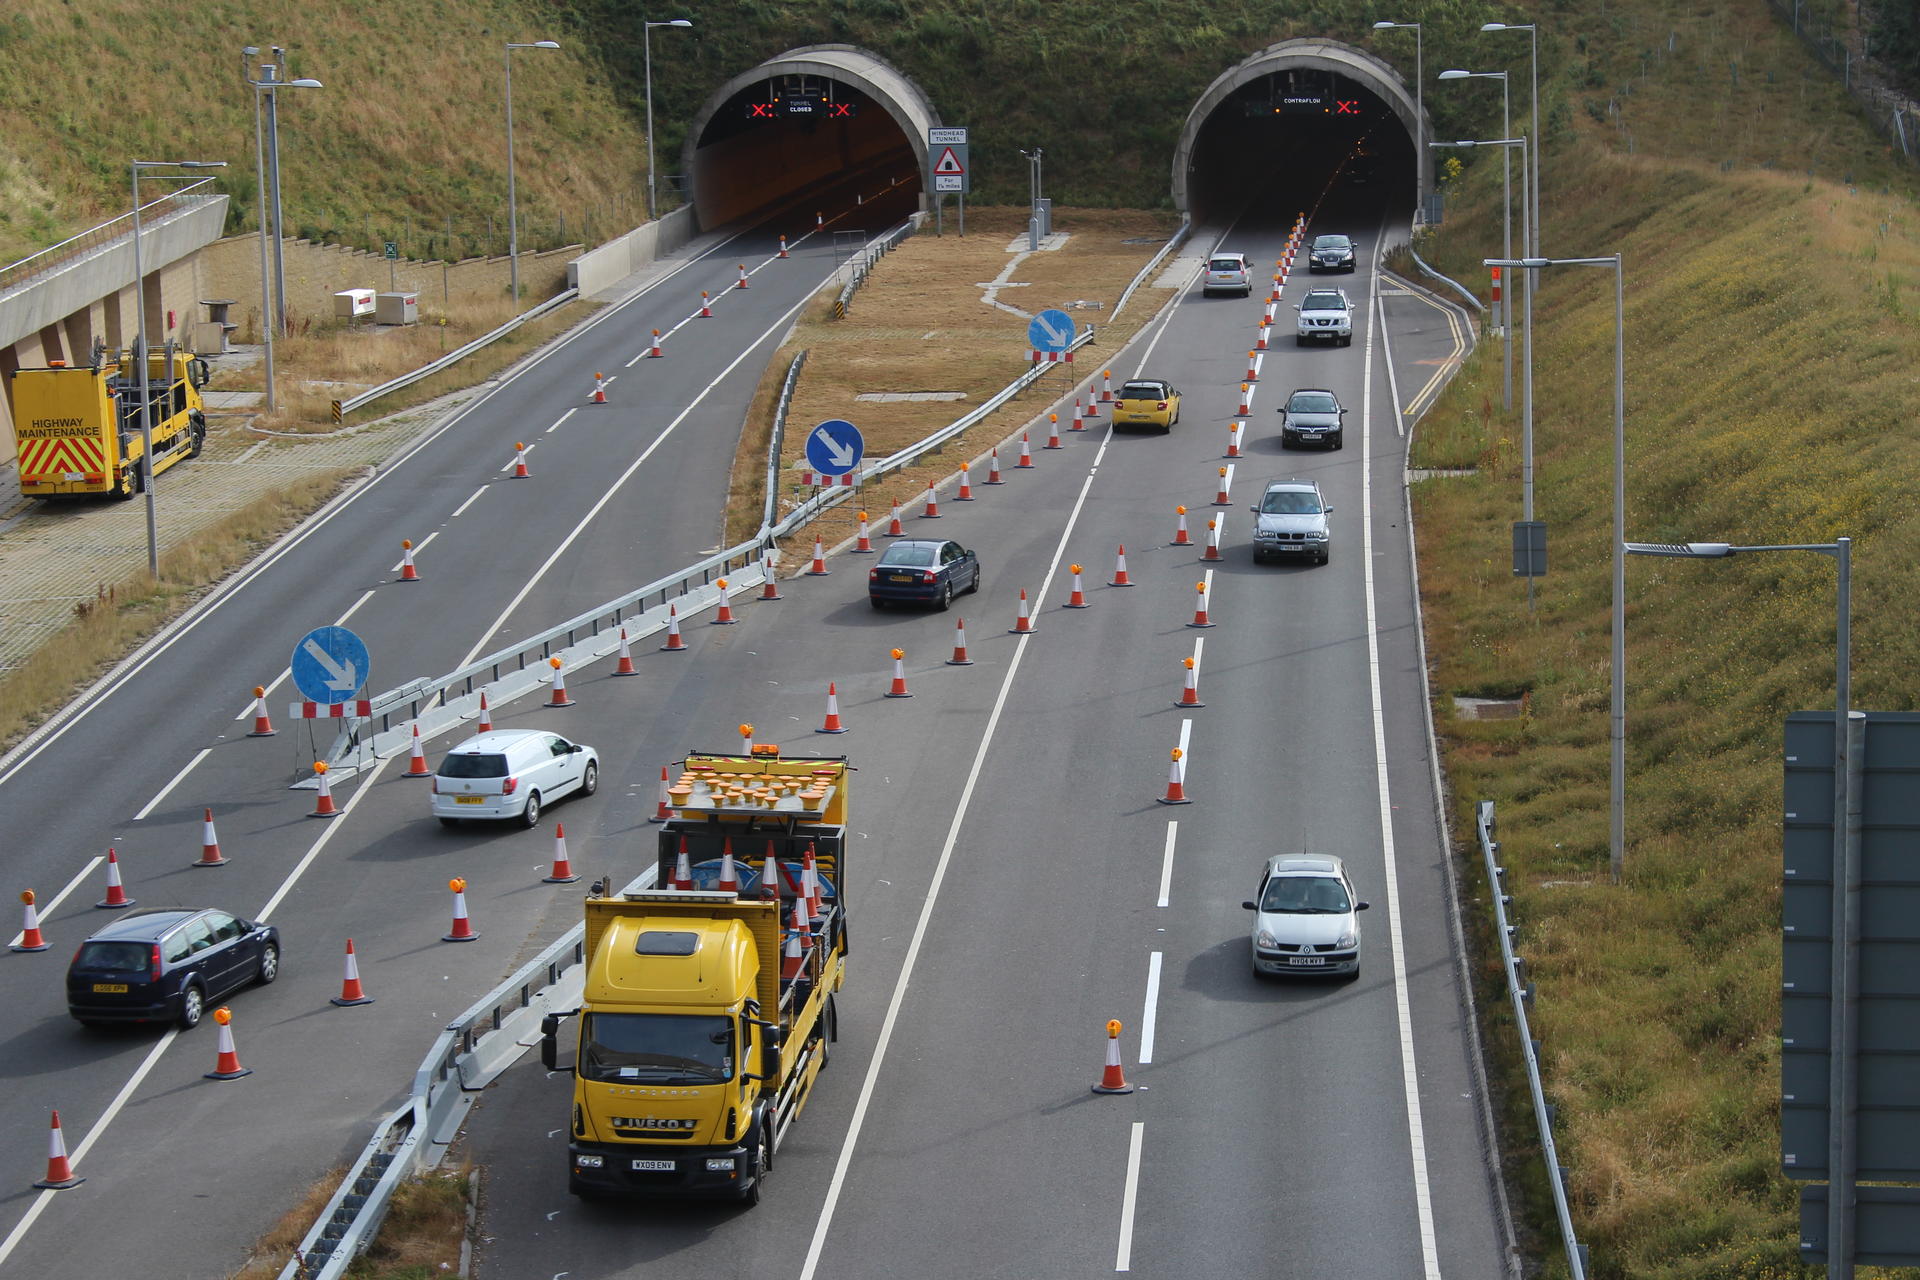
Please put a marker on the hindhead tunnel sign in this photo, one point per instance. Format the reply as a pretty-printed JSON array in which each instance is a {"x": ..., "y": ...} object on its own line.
[{"x": 947, "y": 149}]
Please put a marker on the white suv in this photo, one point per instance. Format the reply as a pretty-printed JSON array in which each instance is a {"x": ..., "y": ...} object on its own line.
[
  {"x": 1228, "y": 273},
  {"x": 1324, "y": 313}
]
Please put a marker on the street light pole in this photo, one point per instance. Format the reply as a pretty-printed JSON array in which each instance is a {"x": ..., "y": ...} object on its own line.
[
  {"x": 646, "y": 49},
  {"x": 1419, "y": 84},
  {"x": 1506, "y": 214},
  {"x": 269, "y": 81},
  {"x": 513, "y": 205},
  {"x": 1533, "y": 44}
]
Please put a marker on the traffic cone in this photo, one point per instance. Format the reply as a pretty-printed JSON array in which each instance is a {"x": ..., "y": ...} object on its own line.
[
  {"x": 1260, "y": 339},
  {"x": 966, "y": 486},
  {"x": 1106, "y": 386},
  {"x": 783, "y": 246},
  {"x": 1226, "y": 479},
  {"x": 323, "y": 806},
  {"x": 116, "y": 893},
  {"x": 863, "y": 544},
  {"x": 661, "y": 810},
  {"x": 810, "y": 880},
  {"x": 485, "y": 722},
  {"x": 60, "y": 1174},
  {"x": 1078, "y": 600},
  {"x": 682, "y": 867},
  {"x": 1091, "y": 416},
  {"x": 819, "y": 567},
  {"x": 654, "y": 350},
  {"x": 993, "y": 467},
  {"x": 899, "y": 687},
  {"x": 1113, "y": 1079},
  {"x": 31, "y": 939},
  {"x": 209, "y": 844},
  {"x": 623, "y": 665},
  {"x": 769, "y": 581},
  {"x": 351, "y": 992},
  {"x": 558, "y": 698},
  {"x": 802, "y": 926},
  {"x": 1176, "y": 782},
  {"x": 562, "y": 872},
  {"x": 729, "y": 881},
  {"x": 520, "y": 471},
  {"x": 723, "y": 616},
  {"x": 1190, "y": 695},
  {"x": 1180, "y": 538},
  {"x": 1200, "y": 607},
  {"x": 959, "y": 658},
  {"x": 1120, "y": 578},
  {"x": 743, "y": 277},
  {"x": 462, "y": 930},
  {"x": 933, "y": 505},
  {"x": 1246, "y": 401},
  {"x": 1023, "y": 622},
  {"x": 1213, "y": 539},
  {"x": 674, "y": 644},
  {"x": 770, "y": 874},
  {"x": 833, "y": 724},
  {"x": 1078, "y": 423},
  {"x": 706, "y": 312},
  {"x": 226, "y": 1062},
  {"x": 262, "y": 725},
  {"x": 819, "y": 220},
  {"x": 1233, "y": 440},
  {"x": 417, "y": 757},
  {"x": 599, "y": 388},
  {"x": 1026, "y": 455},
  {"x": 1053, "y": 432},
  {"x": 893, "y": 525}
]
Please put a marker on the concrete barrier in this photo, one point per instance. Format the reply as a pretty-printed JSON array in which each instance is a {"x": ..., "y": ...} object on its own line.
[{"x": 620, "y": 257}]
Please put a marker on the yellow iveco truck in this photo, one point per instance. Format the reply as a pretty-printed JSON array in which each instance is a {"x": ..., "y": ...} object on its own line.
[
  {"x": 76, "y": 429},
  {"x": 707, "y": 1009}
]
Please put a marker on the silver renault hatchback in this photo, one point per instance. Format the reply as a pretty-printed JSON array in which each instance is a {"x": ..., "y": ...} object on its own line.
[{"x": 1306, "y": 918}]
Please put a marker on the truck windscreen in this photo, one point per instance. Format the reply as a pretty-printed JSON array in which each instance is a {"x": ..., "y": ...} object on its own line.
[{"x": 656, "y": 1048}]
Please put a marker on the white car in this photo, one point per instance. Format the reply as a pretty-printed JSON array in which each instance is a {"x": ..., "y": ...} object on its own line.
[
  {"x": 511, "y": 773},
  {"x": 1228, "y": 273},
  {"x": 1306, "y": 919},
  {"x": 1324, "y": 313}
]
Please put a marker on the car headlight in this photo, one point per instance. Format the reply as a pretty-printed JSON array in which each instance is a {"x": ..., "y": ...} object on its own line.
[
  {"x": 719, "y": 1164},
  {"x": 1351, "y": 938},
  {"x": 590, "y": 1162},
  {"x": 1265, "y": 938}
]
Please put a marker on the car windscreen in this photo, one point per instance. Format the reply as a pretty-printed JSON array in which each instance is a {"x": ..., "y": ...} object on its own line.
[
  {"x": 1331, "y": 242},
  {"x": 1324, "y": 302},
  {"x": 114, "y": 957},
  {"x": 1144, "y": 391},
  {"x": 1290, "y": 503},
  {"x": 911, "y": 557},
  {"x": 1306, "y": 895},
  {"x": 656, "y": 1048},
  {"x": 1313, "y": 404},
  {"x": 1226, "y": 264},
  {"x": 473, "y": 764}
]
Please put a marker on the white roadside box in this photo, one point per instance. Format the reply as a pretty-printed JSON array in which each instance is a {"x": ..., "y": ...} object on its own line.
[
  {"x": 351, "y": 303},
  {"x": 397, "y": 308}
]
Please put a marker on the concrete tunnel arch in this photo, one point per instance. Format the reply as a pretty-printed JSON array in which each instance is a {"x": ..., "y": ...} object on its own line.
[
  {"x": 1356, "y": 64},
  {"x": 715, "y": 201}
]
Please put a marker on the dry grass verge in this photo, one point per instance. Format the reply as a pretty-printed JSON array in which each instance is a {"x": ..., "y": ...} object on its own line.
[{"x": 421, "y": 1238}]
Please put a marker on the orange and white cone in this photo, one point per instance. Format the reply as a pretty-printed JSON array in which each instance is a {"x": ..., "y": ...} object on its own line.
[
  {"x": 323, "y": 806},
  {"x": 31, "y": 939},
  {"x": 706, "y": 312},
  {"x": 743, "y": 277},
  {"x": 810, "y": 882},
  {"x": 1246, "y": 402},
  {"x": 783, "y": 246},
  {"x": 226, "y": 1061},
  {"x": 623, "y": 664},
  {"x": 520, "y": 471},
  {"x": 1220, "y": 499},
  {"x": 1023, "y": 621},
  {"x": 1190, "y": 695},
  {"x": 1026, "y": 455},
  {"x": 933, "y": 505},
  {"x": 262, "y": 723},
  {"x": 1260, "y": 339},
  {"x": 1053, "y": 432},
  {"x": 599, "y": 388},
  {"x": 1176, "y": 781},
  {"x": 654, "y": 350},
  {"x": 407, "y": 572},
  {"x": 1200, "y": 618},
  {"x": 485, "y": 723},
  {"x": 675, "y": 642},
  {"x": 1213, "y": 539},
  {"x": 729, "y": 881},
  {"x": 819, "y": 220},
  {"x": 966, "y": 485},
  {"x": 209, "y": 844},
  {"x": 462, "y": 930},
  {"x": 898, "y": 689},
  {"x": 770, "y": 874},
  {"x": 959, "y": 658},
  {"x": 993, "y": 466},
  {"x": 60, "y": 1173},
  {"x": 1078, "y": 600},
  {"x": 683, "y": 867},
  {"x": 559, "y": 697},
  {"x": 1233, "y": 439},
  {"x": 662, "y": 811},
  {"x": 1180, "y": 538},
  {"x": 116, "y": 892},
  {"x": 819, "y": 567},
  {"x": 863, "y": 545},
  {"x": 769, "y": 581},
  {"x": 1106, "y": 386},
  {"x": 832, "y": 724},
  {"x": 802, "y": 926},
  {"x": 562, "y": 872},
  {"x": 351, "y": 992},
  {"x": 1079, "y": 422},
  {"x": 723, "y": 616},
  {"x": 417, "y": 757},
  {"x": 1120, "y": 578},
  {"x": 1113, "y": 1079},
  {"x": 893, "y": 525}
]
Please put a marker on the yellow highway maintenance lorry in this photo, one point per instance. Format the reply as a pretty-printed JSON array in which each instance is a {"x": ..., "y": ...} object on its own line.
[
  {"x": 708, "y": 1003},
  {"x": 76, "y": 429}
]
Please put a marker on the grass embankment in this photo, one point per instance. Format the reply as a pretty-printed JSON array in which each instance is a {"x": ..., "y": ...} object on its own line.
[
  {"x": 421, "y": 1239},
  {"x": 1773, "y": 325}
]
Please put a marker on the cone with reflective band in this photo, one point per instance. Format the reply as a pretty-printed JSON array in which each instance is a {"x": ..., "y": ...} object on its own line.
[
  {"x": 933, "y": 505},
  {"x": 801, "y": 927},
  {"x": 559, "y": 697},
  {"x": 623, "y": 665},
  {"x": 770, "y": 874},
  {"x": 783, "y": 246},
  {"x": 262, "y": 724},
  {"x": 706, "y": 312},
  {"x": 323, "y": 805},
  {"x": 417, "y": 757},
  {"x": 1190, "y": 696},
  {"x": 661, "y": 809},
  {"x": 723, "y": 616},
  {"x": 1113, "y": 1079},
  {"x": 819, "y": 220},
  {"x": 993, "y": 466},
  {"x": 1120, "y": 578},
  {"x": 675, "y": 643},
  {"x": 810, "y": 879},
  {"x": 1106, "y": 386},
  {"x": 729, "y": 881},
  {"x": 863, "y": 544},
  {"x": 1180, "y": 538},
  {"x": 351, "y": 992},
  {"x": 562, "y": 872},
  {"x": 1078, "y": 600},
  {"x": 31, "y": 939},
  {"x": 407, "y": 572},
  {"x": 1053, "y": 432},
  {"x": 1200, "y": 618},
  {"x": 462, "y": 930},
  {"x": 599, "y": 388},
  {"x": 226, "y": 1061},
  {"x": 654, "y": 350},
  {"x": 1023, "y": 621},
  {"x": 1213, "y": 541},
  {"x": 743, "y": 277},
  {"x": 485, "y": 722},
  {"x": 769, "y": 583},
  {"x": 1220, "y": 499},
  {"x": 893, "y": 525},
  {"x": 1260, "y": 339},
  {"x": 1233, "y": 440},
  {"x": 683, "y": 867},
  {"x": 1079, "y": 420},
  {"x": 959, "y": 658},
  {"x": 209, "y": 844},
  {"x": 1176, "y": 782},
  {"x": 1246, "y": 402},
  {"x": 966, "y": 485},
  {"x": 520, "y": 471},
  {"x": 898, "y": 689},
  {"x": 832, "y": 724},
  {"x": 819, "y": 567},
  {"x": 60, "y": 1174},
  {"x": 1026, "y": 454},
  {"x": 791, "y": 950},
  {"x": 116, "y": 892}
]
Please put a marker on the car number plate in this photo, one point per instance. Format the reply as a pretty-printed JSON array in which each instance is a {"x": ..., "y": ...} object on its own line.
[
  {"x": 899, "y": 577},
  {"x": 653, "y": 1166},
  {"x": 110, "y": 988},
  {"x": 1290, "y": 546},
  {"x": 1306, "y": 962},
  {"x": 469, "y": 799}
]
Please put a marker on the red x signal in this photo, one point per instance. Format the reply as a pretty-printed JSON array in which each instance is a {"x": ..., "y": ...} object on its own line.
[
  {"x": 760, "y": 110},
  {"x": 840, "y": 109},
  {"x": 1346, "y": 106}
]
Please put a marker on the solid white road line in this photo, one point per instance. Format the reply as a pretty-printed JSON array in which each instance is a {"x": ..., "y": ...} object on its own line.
[
  {"x": 470, "y": 500},
  {"x": 1123, "y": 1257},
  {"x": 1186, "y": 736},
  {"x": 1403, "y": 1005},
  {"x": 46, "y": 908},
  {"x": 204, "y": 753},
  {"x": 1166, "y": 865},
  {"x": 1150, "y": 1013},
  {"x": 1386, "y": 358}
]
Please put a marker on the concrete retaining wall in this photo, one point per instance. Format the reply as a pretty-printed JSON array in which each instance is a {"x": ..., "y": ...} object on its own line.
[{"x": 621, "y": 256}]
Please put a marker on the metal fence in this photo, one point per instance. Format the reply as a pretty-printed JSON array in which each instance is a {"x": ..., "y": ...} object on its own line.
[
  {"x": 452, "y": 358},
  {"x": 1153, "y": 264},
  {"x": 1887, "y": 111},
  {"x": 30, "y": 268},
  {"x": 1520, "y": 992},
  {"x": 861, "y": 264}
]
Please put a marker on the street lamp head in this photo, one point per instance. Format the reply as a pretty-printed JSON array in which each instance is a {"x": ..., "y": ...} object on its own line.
[
  {"x": 250, "y": 51},
  {"x": 681, "y": 22},
  {"x": 1455, "y": 75},
  {"x": 546, "y": 44},
  {"x": 1682, "y": 550},
  {"x": 302, "y": 83},
  {"x": 1506, "y": 26}
]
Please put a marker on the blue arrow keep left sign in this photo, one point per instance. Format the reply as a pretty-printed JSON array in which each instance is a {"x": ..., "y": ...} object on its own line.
[
  {"x": 330, "y": 664},
  {"x": 1051, "y": 330},
  {"x": 834, "y": 447}
]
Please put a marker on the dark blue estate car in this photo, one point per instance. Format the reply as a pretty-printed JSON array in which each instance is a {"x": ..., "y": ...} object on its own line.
[
  {"x": 923, "y": 570},
  {"x": 165, "y": 966}
]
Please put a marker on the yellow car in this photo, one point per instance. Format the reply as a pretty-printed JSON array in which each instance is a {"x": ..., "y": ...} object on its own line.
[{"x": 1147, "y": 402}]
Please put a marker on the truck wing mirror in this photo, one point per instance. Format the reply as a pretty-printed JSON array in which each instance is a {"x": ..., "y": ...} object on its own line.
[{"x": 550, "y": 1040}]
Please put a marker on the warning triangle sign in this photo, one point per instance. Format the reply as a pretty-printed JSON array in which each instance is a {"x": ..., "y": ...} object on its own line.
[{"x": 948, "y": 162}]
